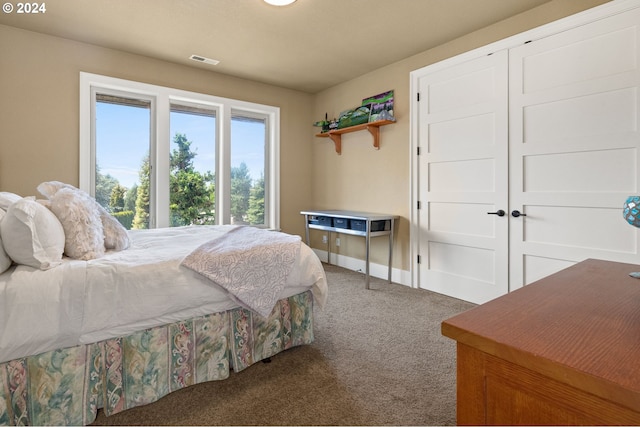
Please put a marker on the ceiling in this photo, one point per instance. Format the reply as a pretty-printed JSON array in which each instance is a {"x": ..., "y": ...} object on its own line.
[{"x": 309, "y": 46}]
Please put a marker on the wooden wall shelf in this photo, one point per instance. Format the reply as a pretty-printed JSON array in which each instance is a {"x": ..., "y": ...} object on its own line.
[{"x": 372, "y": 127}]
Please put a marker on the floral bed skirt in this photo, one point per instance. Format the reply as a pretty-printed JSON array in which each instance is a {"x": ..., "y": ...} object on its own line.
[{"x": 67, "y": 386}]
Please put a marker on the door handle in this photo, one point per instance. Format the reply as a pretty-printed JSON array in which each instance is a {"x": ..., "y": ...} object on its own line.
[
  {"x": 517, "y": 213},
  {"x": 499, "y": 213}
]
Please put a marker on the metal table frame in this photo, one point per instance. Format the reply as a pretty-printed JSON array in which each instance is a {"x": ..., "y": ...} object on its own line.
[{"x": 367, "y": 234}]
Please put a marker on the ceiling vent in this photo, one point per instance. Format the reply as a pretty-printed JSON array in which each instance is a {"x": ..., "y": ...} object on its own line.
[{"x": 204, "y": 60}]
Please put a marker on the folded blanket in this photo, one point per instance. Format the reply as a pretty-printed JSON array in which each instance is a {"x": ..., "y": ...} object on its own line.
[{"x": 252, "y": 264}]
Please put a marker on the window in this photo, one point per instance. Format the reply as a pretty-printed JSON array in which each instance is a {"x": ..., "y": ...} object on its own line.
[
  {"x": 122, "y": 125},
  {"x": 157, "y": 157},
  {"x": 192, "y": 164},
  {"x": 248, "y": 135}
]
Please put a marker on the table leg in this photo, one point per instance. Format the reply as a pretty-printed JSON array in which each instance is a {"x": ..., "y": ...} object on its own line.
[
  {"x": 390, "y": 249},
  {"x": 367, "y": 250}
]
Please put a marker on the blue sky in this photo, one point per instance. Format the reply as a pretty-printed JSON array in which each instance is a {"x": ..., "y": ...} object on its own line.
[{"x": 122, "y": 141}]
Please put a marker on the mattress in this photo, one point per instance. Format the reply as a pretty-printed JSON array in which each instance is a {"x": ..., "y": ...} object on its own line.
[{"x": 81, "y": 302}]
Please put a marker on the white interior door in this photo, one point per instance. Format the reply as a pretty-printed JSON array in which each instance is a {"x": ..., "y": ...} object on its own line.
[
  {"x": 574, "y": 147},
  {"x": 462, "y": 134}
]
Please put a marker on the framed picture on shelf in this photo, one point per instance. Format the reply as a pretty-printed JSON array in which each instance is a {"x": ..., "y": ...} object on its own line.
[
  {"x": 381, "y": 106},
  {"x": 354, "y": 116}
]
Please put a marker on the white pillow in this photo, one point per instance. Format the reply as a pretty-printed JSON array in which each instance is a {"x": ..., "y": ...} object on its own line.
[
  {"x": 7, "y": 199},
  {"x": 80, "y": 219},
  {"x": 32, "y": 235},
  {"x": 5, "y": 261}
]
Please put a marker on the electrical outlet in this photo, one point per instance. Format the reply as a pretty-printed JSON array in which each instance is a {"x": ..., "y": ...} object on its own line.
[
  {"x": 324, "y": 239},
  {"x": 337, "y": 241}
]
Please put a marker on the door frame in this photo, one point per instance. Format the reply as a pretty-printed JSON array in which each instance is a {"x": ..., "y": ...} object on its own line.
[{"x": 563, "y": 24}]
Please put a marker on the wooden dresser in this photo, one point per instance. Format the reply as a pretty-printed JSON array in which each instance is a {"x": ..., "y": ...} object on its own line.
[{"x": 563, "y": 350}]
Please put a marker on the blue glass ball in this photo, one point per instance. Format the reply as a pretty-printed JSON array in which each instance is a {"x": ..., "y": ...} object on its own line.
[{"x": 631, "y": 210}]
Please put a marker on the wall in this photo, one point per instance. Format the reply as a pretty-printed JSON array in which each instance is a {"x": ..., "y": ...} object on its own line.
[
  {"x": 39, "y": 92},
  {"x": 39, "y": 112},
  {"x": 379, "y": 181}
]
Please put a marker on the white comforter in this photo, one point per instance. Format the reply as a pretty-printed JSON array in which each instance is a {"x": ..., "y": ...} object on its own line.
[{"x": 80, "y": 302}]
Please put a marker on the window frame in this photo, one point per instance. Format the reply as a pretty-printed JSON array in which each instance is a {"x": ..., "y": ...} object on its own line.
[{"x": 161, "y": 98}]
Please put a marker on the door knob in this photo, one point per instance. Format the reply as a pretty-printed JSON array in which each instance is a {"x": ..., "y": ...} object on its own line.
[
  {"x": 499, "y": 213},
  {"x": 517, "y": 213}
]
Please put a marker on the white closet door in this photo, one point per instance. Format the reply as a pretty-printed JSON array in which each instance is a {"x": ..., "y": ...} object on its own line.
[
  {"x": 574, "y": 147},
  {"x": 462, "y": 134}
]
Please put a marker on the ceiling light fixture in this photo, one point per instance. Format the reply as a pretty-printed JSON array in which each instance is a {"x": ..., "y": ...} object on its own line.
[{"x": 279, "y": 2}]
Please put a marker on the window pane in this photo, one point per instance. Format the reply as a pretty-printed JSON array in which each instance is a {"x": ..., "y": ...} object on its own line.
[
  {"x": 248, "y": 139},
  {"x": 122, "y": 175},
  {"x": 192, "y": 161}
]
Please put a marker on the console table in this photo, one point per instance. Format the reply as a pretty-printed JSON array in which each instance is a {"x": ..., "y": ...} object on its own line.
[
  {"x": 364, "y": 217},
  {"x": 563, "y": 350}
]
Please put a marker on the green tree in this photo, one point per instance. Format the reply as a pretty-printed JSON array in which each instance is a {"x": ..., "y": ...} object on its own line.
[
  {"x": 116, "y": 201},
  {"x": 240, "y": 192},
  {"x": 182, "y": 157},
  {"x": 141, "y": 218},
  {"x": 130, "y": 198},
  {"x": 125, "y": 218},
  {"x": 191, "y": 195},
  {"x": 255, "y": 214},
  {"x": 104, "y": 186}
]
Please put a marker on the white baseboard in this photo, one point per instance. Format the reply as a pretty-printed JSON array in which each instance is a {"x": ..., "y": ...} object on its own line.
[{"x": 381, "y": 271}]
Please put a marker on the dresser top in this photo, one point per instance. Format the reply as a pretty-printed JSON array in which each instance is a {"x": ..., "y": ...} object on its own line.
[{"x": 584, "y": 320}]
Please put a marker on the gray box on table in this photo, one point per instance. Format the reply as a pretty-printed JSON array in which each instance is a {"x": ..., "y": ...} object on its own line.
[
  {"x": 341, "y": 222},
  {"x": 361, "y": 225},
  {"x": 325, "y": 221}
]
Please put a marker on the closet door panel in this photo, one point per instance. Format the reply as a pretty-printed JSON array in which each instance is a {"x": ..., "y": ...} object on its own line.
[
  {"x": 466, "y": 175},
  {"x": 462, "y": 177},
  {"x": 574, "y": 147},
  {"x": 577, "y": 227},
  {"x": 615, "y": 170},
  {"x": 572, "y": 62},
  {"x": 563, "y": 120}
]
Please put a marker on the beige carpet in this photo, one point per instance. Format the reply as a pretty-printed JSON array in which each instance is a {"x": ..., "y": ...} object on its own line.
[{"x": 378, "y": 359}]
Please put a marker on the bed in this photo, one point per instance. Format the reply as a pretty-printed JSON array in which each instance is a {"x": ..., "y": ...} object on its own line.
[{"x": 126, "y": 328}]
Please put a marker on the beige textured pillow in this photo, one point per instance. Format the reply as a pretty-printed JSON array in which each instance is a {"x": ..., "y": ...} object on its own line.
[
  {"x": 49, "y": 188},
  {"x": 32, "y": 235},
  {"x": 80, "y": 219},
  {"x": 115, "y": 235}
]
